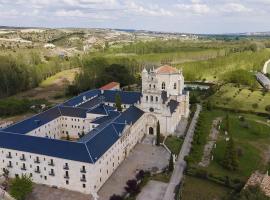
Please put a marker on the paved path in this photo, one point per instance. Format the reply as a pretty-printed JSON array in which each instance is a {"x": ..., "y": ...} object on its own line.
[
  {"x": 266, "y": 64},
  {"x": 180, "y": 130},
  {"x": 180, "y": 163}
]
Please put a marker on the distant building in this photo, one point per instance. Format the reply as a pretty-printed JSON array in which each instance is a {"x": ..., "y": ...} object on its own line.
[
  {"x": 111, "y": 86},
  {"x": 100, "y": 137},
  {"x": 263, "y": 80},
  {"x": 49, "y": 46}
]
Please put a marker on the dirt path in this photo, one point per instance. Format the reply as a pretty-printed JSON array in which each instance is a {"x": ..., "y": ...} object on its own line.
[{"x": 211, "y": 142}]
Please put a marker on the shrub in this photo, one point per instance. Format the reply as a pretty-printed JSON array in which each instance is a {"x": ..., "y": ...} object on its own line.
[
  {"x": 21, "y": 187},
  {"x": 132, "y": 187},
  {"x": 116, "y": 197}
]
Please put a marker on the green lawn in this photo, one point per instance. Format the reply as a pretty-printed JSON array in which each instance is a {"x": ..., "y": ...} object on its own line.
[
  {"x": 230, "y": 96},
  {"x": 252, "y": 139},
  {"x": 174, "y": 144},
  {"x": 66, "y": 75},
  {"x": 199, "y": 189}
]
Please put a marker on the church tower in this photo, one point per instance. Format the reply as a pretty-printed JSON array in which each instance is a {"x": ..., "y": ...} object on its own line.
[{"x": 163, "y": 96}]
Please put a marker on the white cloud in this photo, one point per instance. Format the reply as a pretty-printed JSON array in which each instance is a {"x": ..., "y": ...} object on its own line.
[
  {"x": 235, "y": 7},
  {"x": 194, "y": 7},
  {"x": 152, "y": 10},
  {"x": 80, "y": 14}
]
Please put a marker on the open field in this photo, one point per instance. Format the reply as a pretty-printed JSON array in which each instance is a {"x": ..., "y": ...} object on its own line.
[
  {"x": 230, "y": 96},
  {"x": 214, "y": 69},
  {"x": 53, "y": 88},
  {"x": 199, "y": 189}
]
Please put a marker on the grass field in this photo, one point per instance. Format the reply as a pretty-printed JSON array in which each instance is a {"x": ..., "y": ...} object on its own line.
[
  {"x": 174, "y": 144},
  {"x": 214, "y": 69},
  {"x": 173, "y": 58},
  {"x": 198, "y": 189},
  {"x": 230, "y": 96},
  {"x": 60, "y": 78},
  {"x": 252, "y": 140}
]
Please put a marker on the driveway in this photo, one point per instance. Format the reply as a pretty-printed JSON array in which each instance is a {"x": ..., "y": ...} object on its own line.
[
  {"x": 143, "y": 156},
  {"x": 154, "y": 190}
]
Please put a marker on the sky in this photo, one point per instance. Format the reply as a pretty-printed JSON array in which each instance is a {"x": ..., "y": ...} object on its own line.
[{"x": 185, "y": 16}]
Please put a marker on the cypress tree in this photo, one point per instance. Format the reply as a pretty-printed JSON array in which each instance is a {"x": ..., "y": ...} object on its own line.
[
  {"x": 118, "y": 102},
  {"x": 171, "y": 166},
  {"x": 158, "y": 134}
]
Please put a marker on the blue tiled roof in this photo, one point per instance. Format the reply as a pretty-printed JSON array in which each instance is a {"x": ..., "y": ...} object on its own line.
[
  {"x": 101, "y": 109},
  {"x": 126, "y": 97},
  {"x": 89, "y": 148},
  {"x": 173, "y": 105},
  {"x": 34, "y": 122},
  {"x": 131, "y": 115},
  {"x": 112, "y": 115},
  {"x": 80, "y": 98},
  {"x": 73, "y": 112},
  {"x": 49, "y": 147}
]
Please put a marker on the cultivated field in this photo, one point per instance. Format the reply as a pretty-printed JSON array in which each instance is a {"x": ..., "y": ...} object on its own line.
[{"x": 241, "y": 98}]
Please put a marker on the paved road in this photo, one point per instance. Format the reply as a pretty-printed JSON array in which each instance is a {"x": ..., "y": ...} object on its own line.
[{"x": 180, "y": 163}]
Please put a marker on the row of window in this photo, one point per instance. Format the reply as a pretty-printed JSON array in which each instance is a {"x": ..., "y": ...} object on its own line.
[
  {"x": 163, "y": 86},
  {"x": 151, "y": 98}
]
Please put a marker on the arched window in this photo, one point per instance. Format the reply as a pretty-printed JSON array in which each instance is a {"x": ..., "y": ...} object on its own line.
[
  {"x": 154, "y": 86},
  {"x": 174, "y": 86},
  {"x": 152, "y": 98},
  {"x": 149, "y": 85},
  {"x": 156, "y": 99},
  {"x": 163, "y": 86},
  {"x": 146, "y": 98}
]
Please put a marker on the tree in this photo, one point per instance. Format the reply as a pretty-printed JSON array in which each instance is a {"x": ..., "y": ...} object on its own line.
[
  {"x": 209, "y": 105},
  {"x": 230, "y": 161},
  {"x": 132, "y": 187},
  {"x": 116, "y": 197},
  {"x": 158, "y": 134},
  {"x": 21, "y": 187},
  {"x": 171, "y": 166},
  {"x": 118, "y": 102}
]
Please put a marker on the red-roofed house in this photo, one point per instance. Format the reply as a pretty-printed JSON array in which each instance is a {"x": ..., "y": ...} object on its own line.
[{"x": 111, "y": 86}]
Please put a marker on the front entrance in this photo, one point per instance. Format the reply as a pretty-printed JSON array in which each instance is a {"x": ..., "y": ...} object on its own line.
[{"x": 151, "y": 131}]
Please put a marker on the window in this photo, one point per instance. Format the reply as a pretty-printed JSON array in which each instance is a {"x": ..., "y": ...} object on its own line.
[
  {"x": 174, "y": 86},
  {"x": 149, "y": 85},
  {"x": 163, "y": 86},
  {"x": 152, "y": 98},
  {"x": 156, "y": 99},
  {"x": 67, "y": 182},
  {"x": 146, "y": 98},
  {"x": 83, "y": 185}
]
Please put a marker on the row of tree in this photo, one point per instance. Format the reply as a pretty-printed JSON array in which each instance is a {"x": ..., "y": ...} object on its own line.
[
  {"x": 98, "y": 71},
  {"x": 21, "y": 72}
]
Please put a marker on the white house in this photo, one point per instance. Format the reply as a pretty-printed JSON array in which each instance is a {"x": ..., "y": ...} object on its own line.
[{"x": 100, "y": 137}]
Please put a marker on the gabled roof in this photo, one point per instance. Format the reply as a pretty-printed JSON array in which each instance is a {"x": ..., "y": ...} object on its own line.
[
  {"x": 73, "y": 112},
  {"x": 110, "y": 86},
  {"x": 90, "y": 147},
  {"x": 45, "y": 146},
  {"x": 173, "y": 105},
  {"x": 126, "y": 97},
  {"x": 166, "y": 69},
  {"x": 34, "y": 122},
  {"x": 101, "y": 109}
]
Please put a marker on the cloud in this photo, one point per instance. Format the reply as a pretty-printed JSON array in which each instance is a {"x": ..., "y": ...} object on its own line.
[
  {"x": 194, "y": 7},
  {"x": 152, "y": 10},
  {"x": 235, "y": 8},
  {"x": 80, "y": 14}
]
